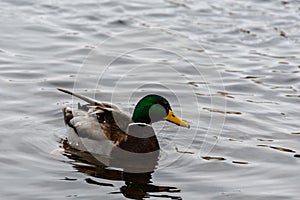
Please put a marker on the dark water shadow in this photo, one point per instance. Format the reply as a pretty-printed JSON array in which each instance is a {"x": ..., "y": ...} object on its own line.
[{"x": 136, "y": 185}]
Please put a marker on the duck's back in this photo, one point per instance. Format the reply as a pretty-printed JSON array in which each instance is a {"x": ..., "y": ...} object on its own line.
[{"x": 94, "y": 129}]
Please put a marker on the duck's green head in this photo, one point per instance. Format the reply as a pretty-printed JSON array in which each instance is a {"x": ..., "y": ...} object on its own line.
[{"x": 153, "y": 108}]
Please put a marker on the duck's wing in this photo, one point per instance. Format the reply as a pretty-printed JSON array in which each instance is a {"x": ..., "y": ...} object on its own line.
[
  {"x": 96, "y": 105},
  {"x": 95, "y": 118},
  {"x": 88, "y": 99}
]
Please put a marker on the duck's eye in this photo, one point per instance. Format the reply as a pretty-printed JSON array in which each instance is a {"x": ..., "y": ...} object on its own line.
[{"x": 173, "y": 115}]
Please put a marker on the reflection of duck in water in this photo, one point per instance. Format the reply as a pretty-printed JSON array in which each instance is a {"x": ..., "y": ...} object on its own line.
[
  {"x": 137, "y": 185},
  {"x": 120, "y": 140},
  {"x": 106, "y": 136}
]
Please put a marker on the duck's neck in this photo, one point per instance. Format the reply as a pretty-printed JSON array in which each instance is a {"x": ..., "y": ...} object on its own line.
[{"x": 141, "y": 119}]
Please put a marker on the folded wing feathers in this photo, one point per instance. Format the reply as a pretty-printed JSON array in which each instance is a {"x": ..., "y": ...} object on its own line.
[
  {"x": 85, "y": 98},
  {"x": 121, "y": 119}
]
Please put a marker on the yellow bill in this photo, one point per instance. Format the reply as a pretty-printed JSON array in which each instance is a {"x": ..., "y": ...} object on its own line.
[{"x": 171, "y": 117}]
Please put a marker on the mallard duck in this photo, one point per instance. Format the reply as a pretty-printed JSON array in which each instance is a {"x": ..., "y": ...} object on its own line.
[{"x": 99, "y": 127}]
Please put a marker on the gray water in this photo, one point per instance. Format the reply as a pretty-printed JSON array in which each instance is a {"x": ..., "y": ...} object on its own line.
[{"x": 230, "y": 68}]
